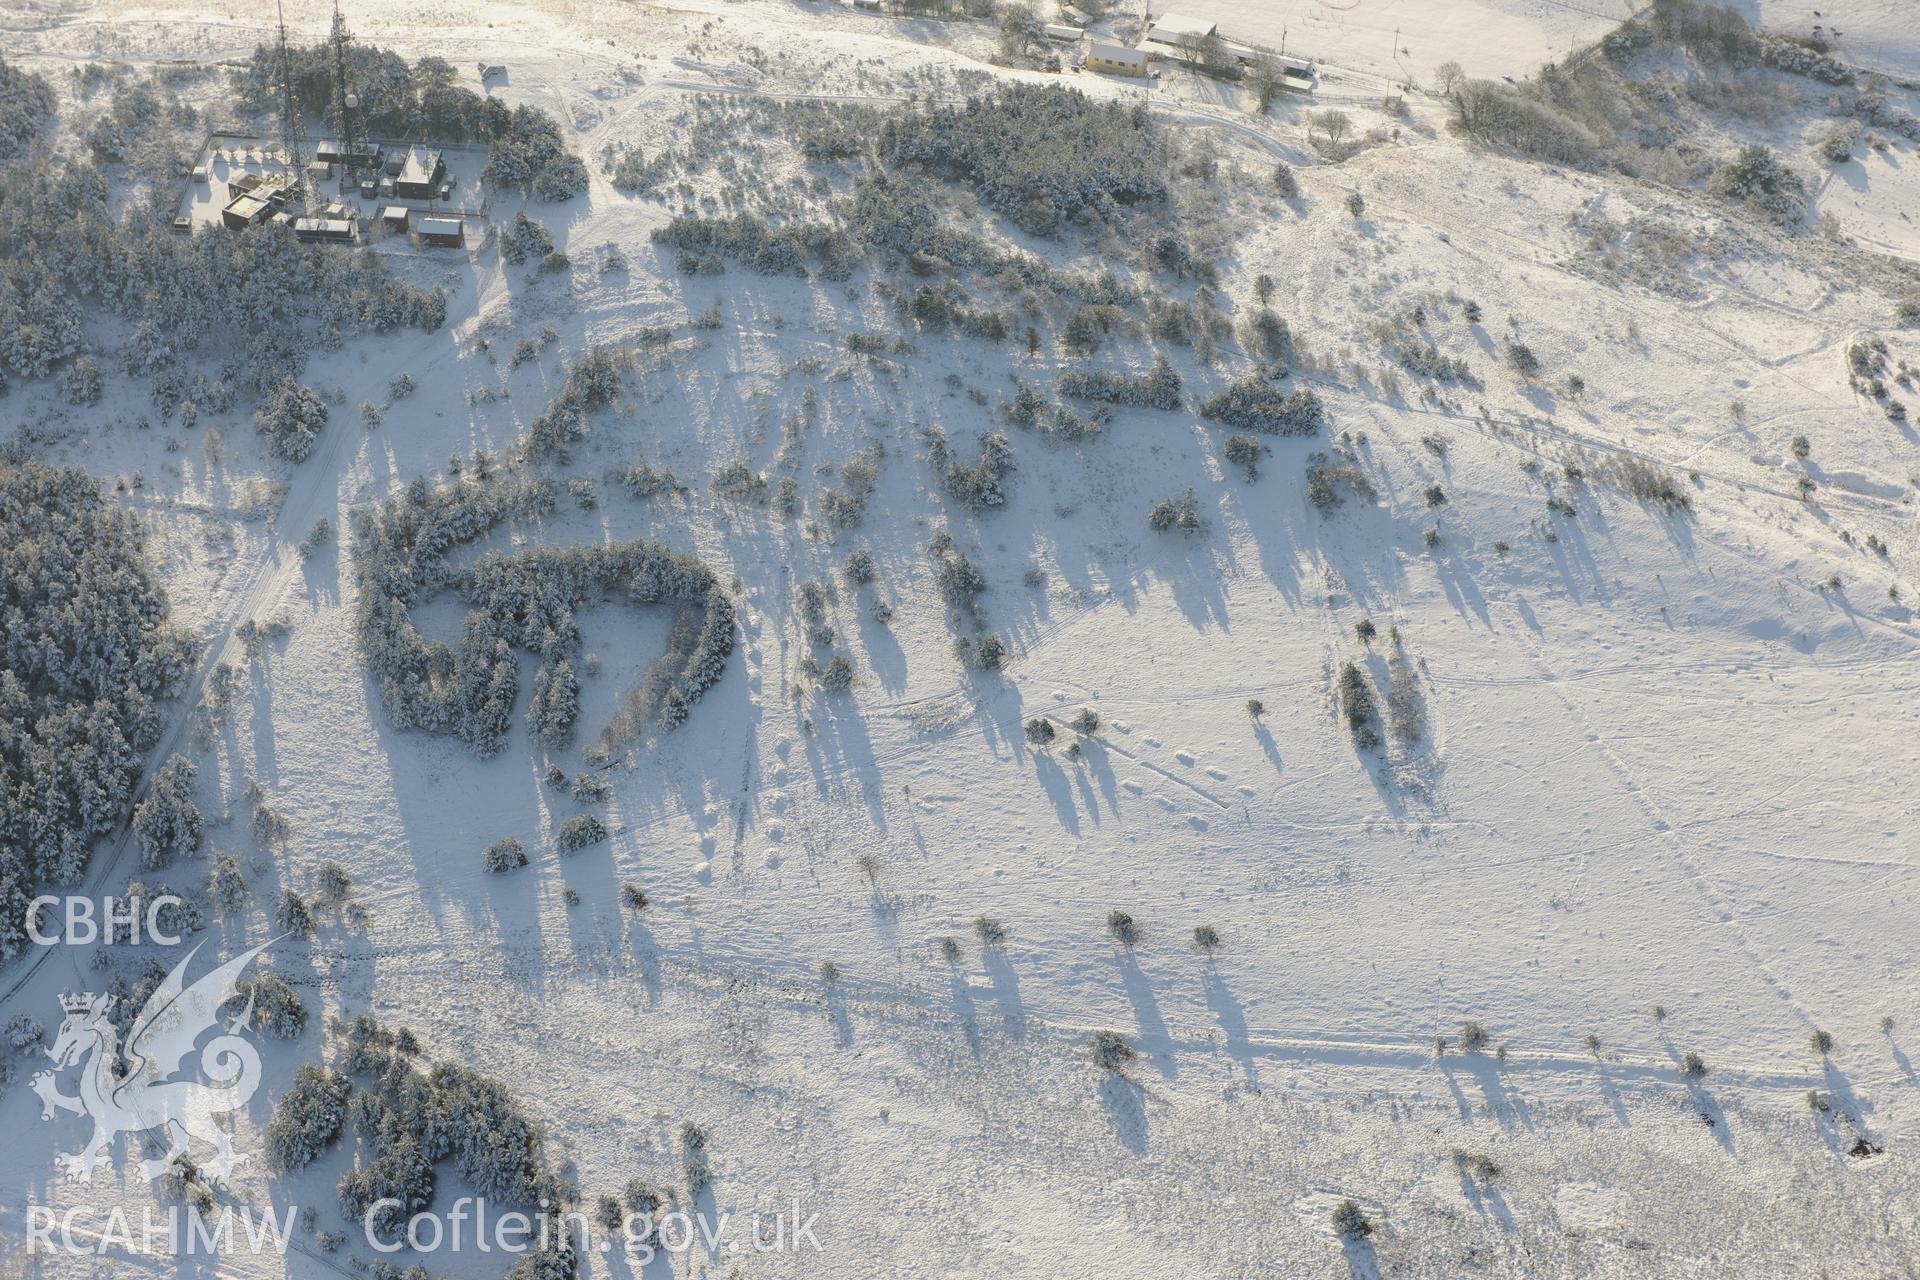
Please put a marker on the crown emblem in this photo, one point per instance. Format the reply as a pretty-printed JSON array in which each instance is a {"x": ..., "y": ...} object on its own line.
[{"x": 76, "y": 1003}]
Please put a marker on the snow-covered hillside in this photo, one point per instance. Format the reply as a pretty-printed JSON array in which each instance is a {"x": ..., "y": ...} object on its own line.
[{"x": 1461, "y": 769}]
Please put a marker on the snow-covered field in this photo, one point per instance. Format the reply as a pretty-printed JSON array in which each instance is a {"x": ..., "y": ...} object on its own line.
[
  {"x": 1487, "y": 37},
  {"x": 1663, "y": 760}
]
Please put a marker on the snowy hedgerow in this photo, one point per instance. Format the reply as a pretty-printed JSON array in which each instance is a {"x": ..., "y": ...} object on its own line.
[
  {"x": 78, "y": 686},
  {"x": 1786, "y": 55},
  {"x": 276, "y": 1009},
  {"x": 1255, "y": 404},
  {"x": 1158, "y": 389},
  {"x": 307, "y": 1119},
  {"x": 579, "y": 832},
  {"x": 168, "y": 823},
  {"x": 290, "y": 419},
  {"x": 505, "y": 854}
]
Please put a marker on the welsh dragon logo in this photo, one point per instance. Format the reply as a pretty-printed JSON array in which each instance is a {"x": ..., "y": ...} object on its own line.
[{"x": 145, "y": 1095}]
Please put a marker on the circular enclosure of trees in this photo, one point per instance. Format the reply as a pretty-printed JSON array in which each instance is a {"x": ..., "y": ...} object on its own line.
[{"x": 519, "y": 600}]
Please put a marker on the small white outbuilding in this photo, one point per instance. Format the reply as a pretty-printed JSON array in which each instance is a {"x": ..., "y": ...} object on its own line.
[{"x": 1179, "y": 30}]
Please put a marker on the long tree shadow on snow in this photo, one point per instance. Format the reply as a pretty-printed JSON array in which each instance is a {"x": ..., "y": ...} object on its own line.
[
  {"x": 1152, "y": 1028},
  {"x": 1006, "y": 990},
  {"x": 962, "y": 997},
  {"x": 1232, "y": 1017},
  {"x": 1125, "y": 1103}
]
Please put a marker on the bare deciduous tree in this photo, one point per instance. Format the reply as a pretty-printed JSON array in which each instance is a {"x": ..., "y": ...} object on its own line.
[
  {"x": 1336, "y": 125},
  {"x": 1267, "y": 80}
]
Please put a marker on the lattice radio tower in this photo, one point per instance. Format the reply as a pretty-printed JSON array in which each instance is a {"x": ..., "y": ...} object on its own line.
[
  {"x": 293, "y": 135},
  {"x": 345, "y": 101}
]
